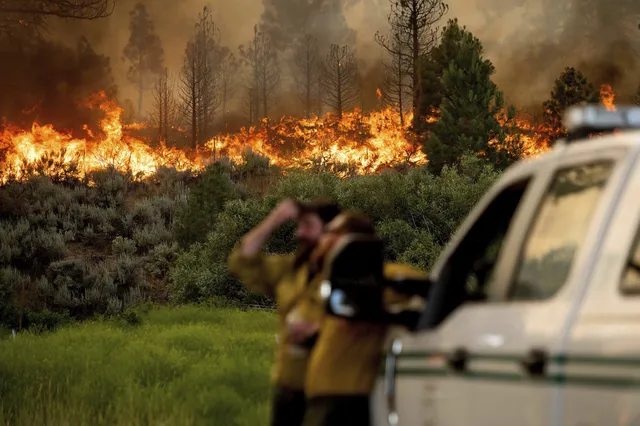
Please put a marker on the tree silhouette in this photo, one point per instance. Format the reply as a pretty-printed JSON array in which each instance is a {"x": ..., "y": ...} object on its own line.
[
  {"x": 262, "y": 60},
  {"x": 396, "y": 88},
  {"x": 307, "y": 63},
  {"x": 414, "y": 33},
  {"x": 340, "y": 79},
  {"x": 27, "y": 13},
  {"x": 143, "y": 51},
  {"x": 199, "y": 79},
  {"x": 570, "y": 88},
  {"x": 229, "y": 67},
  {"x": 164, "y": 105}
]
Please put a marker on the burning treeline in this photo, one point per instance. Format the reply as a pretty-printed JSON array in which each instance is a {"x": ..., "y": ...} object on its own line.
[
  {"x": 193, "y": 104},
  {"x": 366, "y": 142}
]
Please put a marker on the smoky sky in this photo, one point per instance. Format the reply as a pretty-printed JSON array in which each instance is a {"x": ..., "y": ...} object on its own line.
[{"x": 529, "y": 41}]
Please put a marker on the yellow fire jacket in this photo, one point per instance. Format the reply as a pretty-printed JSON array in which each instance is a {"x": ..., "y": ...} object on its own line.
[
  {"x": 274, "y": 275},
  {"x": 347, "y": 355}
]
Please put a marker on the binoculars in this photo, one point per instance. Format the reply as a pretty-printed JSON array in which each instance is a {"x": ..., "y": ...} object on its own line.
[{"x": 356, "y": 285}]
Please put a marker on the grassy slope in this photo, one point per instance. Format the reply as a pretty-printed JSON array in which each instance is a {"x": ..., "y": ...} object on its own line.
[{"x": 183, "y": 366}]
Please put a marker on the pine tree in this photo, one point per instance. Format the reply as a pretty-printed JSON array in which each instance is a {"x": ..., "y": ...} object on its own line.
[
  {"x": 430, "y": 89},
  {"x": 571, "y": 88},
  {"x": 468, "y": 111}
]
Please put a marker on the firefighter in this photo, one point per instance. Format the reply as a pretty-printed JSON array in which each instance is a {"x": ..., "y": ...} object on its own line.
[
  {"x": 345, "y": 361},
  {"x": 289, "y": 280}
]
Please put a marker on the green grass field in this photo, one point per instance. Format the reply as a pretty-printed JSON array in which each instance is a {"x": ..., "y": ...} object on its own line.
[{"x": 182, "y": 366}]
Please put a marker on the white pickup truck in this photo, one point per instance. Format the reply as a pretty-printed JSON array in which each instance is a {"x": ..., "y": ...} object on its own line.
[{"x": 533, "y": 315}]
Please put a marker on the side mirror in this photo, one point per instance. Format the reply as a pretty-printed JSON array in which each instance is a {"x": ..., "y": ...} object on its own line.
[{"x": 355, "y": 285}]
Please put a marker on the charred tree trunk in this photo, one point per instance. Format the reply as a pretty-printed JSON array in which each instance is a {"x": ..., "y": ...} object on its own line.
[{"x": 194, "y": 112}]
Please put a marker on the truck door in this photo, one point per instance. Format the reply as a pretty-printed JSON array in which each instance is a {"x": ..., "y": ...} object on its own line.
[
  {"x": 502, "y": 293},
  {"x": 601, "y": 362}
]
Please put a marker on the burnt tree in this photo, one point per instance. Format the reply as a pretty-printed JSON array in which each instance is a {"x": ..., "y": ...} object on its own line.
[
  {"x": 262, "y": 61},
  {"x": 164, "y": 105},
  {"x": 229, "y": 68},
  {"x": 414, "y": 33},
  {"x": 207, "y": 39},
  {"x": 307, "y": 62},
  {"x": 143, "y": 52},
  {"x": 199, "y": 79},
  {"x": 340, "y": 80},
  {"x": 396, "y": 86}
]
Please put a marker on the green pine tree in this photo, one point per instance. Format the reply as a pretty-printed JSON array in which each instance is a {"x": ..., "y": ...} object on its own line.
[
  {"x": 571, "y": 88},
  {"x": 468, "y": 110},
  {"x": 430, "y": 88}
]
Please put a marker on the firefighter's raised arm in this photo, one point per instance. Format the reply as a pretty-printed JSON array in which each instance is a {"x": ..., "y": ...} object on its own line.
[{"x": 260, "y": 272}]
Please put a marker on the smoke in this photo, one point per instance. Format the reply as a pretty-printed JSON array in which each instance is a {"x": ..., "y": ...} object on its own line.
[
  {"x": 529, "y": 41},
  {"x": 48, "y": 83}
]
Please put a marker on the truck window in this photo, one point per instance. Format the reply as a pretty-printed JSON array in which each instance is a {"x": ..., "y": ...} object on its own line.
[
  {"x": 467, "y": 275},
  {"x": 558, "y": 230},
  {"x": 630, "y": 283}
]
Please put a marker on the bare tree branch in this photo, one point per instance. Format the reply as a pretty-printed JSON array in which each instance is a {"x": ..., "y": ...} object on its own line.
[
  {"x": 71, "y": 9},
  {"x": 164, "y": 106},
  {"x": 22, "y": 19},
  {"x": 341, "y": 80},
  {"x": 262, "y": 61},
  {"x": 200, "y": 79},
  {"x": 396, "y": 86},
  {"x": 414, "y": 33},
  {"x": 307, "y": 62}
]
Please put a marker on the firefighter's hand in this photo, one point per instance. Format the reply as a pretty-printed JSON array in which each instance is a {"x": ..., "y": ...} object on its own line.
[
  {"x": 300, "y": 331},
  {"x": 286, "y": 210}
]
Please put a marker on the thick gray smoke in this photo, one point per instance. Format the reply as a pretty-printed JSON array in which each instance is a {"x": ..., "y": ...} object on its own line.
[{"x": 529, "y": 41}]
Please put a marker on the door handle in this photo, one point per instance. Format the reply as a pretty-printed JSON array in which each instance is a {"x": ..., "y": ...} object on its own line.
[
  {"x": 390, "y": 381},
  {"x": 458, "y": 359},
  {"x": 535, "y": 362}
]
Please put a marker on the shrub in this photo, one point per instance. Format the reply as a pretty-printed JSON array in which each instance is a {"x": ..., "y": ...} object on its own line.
[
  {"x": 110, "y": 187},
  {"x": 122, "y": 245},
  {"x": 160, "y": 259},
  {"x": 204, "y": 201}
]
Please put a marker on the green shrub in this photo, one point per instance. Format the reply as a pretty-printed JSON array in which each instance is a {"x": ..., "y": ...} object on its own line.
[
  {"x": 122, "y": 245},
  {"x": 160, "y": 258},
  {"x": 204, "y": 201},
  {"x": 110, "y": 187}
]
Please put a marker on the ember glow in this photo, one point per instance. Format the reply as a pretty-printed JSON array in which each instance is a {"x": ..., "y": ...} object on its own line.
[{"x": 361, "y": 142}]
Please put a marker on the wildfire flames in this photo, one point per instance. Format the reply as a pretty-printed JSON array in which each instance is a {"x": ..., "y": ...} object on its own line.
[
  {"x": 608, "y": 96},
  {"x": 367, "y": 142},
  {"x": 363, "y": 143},
  {"x": 20, "y": 149}
]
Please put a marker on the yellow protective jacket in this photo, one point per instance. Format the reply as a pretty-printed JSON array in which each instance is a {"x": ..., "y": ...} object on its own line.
[
  {"x": 274, "y": 275},
  {"x": 347, "y": 355}
]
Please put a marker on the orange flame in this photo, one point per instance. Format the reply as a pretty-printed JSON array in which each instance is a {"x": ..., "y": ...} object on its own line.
[
  {"x": 115, "y": 149},
  {"x": 367, "y": 143},
  {"x": 608, "y": 96}
]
